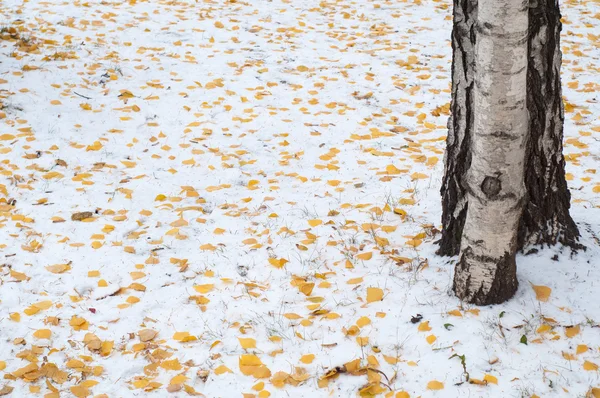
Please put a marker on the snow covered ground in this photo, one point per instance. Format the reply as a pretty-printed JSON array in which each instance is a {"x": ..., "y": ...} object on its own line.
[{"x": 262, "y": 186}]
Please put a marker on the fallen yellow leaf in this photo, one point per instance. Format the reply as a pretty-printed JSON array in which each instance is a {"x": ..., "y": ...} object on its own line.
[
  {"x": 542, "y": 293},
  {"x": 247, "y": 342},
  {"x": 374, "y": 294},
  {"x": 435, "y": 385}
]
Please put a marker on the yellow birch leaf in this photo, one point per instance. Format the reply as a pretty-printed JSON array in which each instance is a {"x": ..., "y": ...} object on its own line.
[
  {"x": 251, "y": 365},
  {"x": 435, "y": 385},
  {"x": 542, "y": 293},
  {"x": 75, "y": 364},
  {"x": 365, "y": 256},
  {"x": 418, "y": 176},
  {"x": 591, "y": 366},
  {"x": 43, "y": 305},
  {"x": 96, "y": 244},
  {"x": 219, "y": 370},
  {"x": 258, "y": 386},
  {"x": 572, "y": 331},
  {"x": 414, "y": 242},
  {"x": 307, "y": 359},
  {"x": 179, "y": 379},
  {"x": 355, "y": 281},
  {"x": 78, "y": 323},
  {"x": 262, "y": 372},
  {"x": 80, "y": 391},
  {"x": 278, "y": 263},
  {"x": 544, "y": 328},
  {"x": 184, "y": 337},
  {"x": 141, "y": 383},
  {"x": 96, "y": 146},
  {"x": 204, "y": 288},
  {"x": 172, "y": 364},
  {"x": 371, "y": 390},
  {"x": 32, "y": 367},
  {"x": 474, "y": 311},
  {"x": 391, "y": 360},
  {"x": 314, "y": 223},
  {"x": 306, "y": 288},
  {"x": 92, "y": 342},
  {"x": 247, "y": 343},
  {"x": 374, "y": 294},
  {"x": 42, "y": 334},
  {"x": 352, "y": 331},
  {"x": 490, "y": 379},
  {"x": 568, "y": 357},
  {"x": 128, "y": 164},
  {"x": 52, "y": 174},
  {"x": 424, "y": 326}
]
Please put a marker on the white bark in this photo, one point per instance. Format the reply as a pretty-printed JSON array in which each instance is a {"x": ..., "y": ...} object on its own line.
[{"x": 486, "y": 272}]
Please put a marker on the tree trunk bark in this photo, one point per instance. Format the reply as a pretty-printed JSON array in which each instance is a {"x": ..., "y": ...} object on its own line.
[
  {"x": 486, "y": 272},
  {"x": 457, "y": 158},
  {"x": 546, "y": 219}
]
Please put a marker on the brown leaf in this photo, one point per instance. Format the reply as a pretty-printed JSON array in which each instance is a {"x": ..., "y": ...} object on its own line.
[
  {"x": 81, "y": 215},
  {"x": 147, "y": 334}
]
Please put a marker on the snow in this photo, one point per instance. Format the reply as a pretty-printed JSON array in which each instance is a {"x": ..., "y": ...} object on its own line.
[{"x": 213, "y": 137}]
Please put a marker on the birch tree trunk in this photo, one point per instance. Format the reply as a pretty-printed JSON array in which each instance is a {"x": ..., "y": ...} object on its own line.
[
  {"x": 486, "y": 271},
  {"x": 546, "y": 219},
  {"x": 457, "y": 158}
]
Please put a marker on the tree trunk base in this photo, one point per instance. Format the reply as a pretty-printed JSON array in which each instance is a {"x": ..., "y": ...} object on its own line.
[{"x": 497, "y": 286}]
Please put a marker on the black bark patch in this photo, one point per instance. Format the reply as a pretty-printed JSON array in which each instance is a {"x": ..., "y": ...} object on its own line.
[
  {"x": 491, "y": 187},
  {"x": 503, "y": 135}
]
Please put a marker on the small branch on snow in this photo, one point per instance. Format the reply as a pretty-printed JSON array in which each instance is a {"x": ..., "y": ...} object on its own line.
[{"x": 82, "y": 96}]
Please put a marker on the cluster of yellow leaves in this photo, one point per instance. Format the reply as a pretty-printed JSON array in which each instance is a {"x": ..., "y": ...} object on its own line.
[{"x": 251, "y": 365}]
